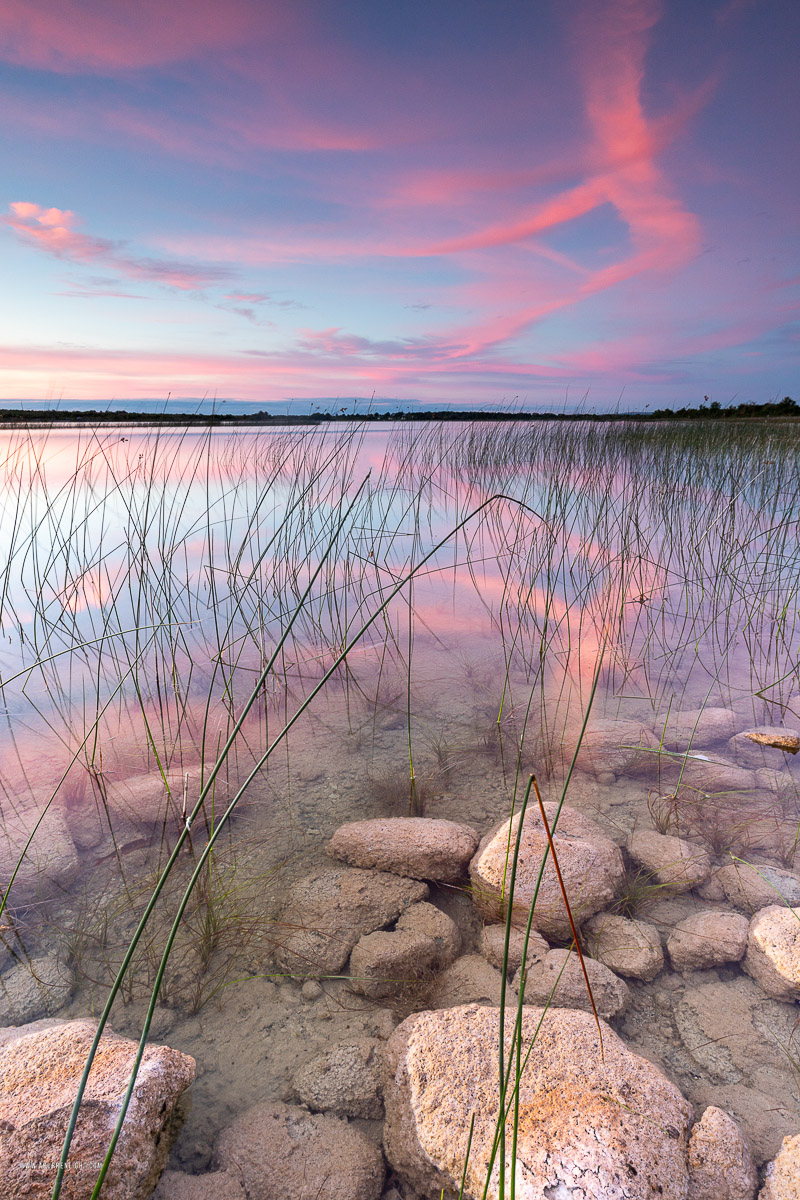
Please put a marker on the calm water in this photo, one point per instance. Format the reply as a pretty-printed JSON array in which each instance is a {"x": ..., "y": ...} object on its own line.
[{"x": 146, "y": 582}]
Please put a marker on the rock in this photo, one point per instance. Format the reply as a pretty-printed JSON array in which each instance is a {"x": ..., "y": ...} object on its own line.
[
  {"x": 34, "y": 989},
  {"x": 311, "y": 989},
  {"x": 631, "y": 948},
  {"x": 415, "y": 847},
  {"x": 427, "y": 919},
  {"x": 601, "y": 1127},
  {"x": 698, "y": 728},
  {"x": 216, "y": 1185},
  {"x": 711, "y": 888},
  {"x": 773, "y": 951},
  {"x": 617, "y": 747},
  {"x": 492, "y": 946},
  {"x": 346, "y": 1079},
  {"x": 327, "y": 912},
  {"x": 758, "y": 747},
  {"x": 720, "y": 1164},
  {"x": 40, "y": 1068},
  {"x": 671, "y": 860},
  {"x": 281, "y": 1152},
  {"x": 384, "y": 963},
  {"x": 782, "y": 1180},
  {"x": 470, "y": 980},
  {"x": 708, "y": 939},
  {"x": 50, "y": 863},
  {"x": 591, "y": 866},
  {"x": 559, "y": 980},
  {"x": 754, "y": 887}
]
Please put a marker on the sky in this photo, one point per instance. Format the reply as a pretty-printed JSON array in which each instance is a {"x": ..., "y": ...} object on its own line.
[{"x": 544, "y": 203}]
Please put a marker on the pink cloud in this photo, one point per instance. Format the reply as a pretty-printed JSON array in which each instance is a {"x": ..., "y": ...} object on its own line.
[{"x": 52, "y": 231}]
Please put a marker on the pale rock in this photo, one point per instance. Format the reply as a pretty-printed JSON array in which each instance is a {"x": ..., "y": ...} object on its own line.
[
  {"x": 282, "y": 1152},
  {"x": 346, "y": 1079},
  {"x": 49, "y": 864},
  {"x": 415, "y": 847},
  {"x": 40, "y": 1068},
  {"x": 773, "y": 952},
  {"x": 602, "y": 1126},
  {"x": 470, "y": 980},
  {"x": 627, "y": 947},
  {"x": 751, "y": 888},
  {"x": 711, "y": 888},
  {"x": 708, "y": 771},
  {"x": 764, "y": 746},
  {"x": 591, "y": 866},
  {"x": 698, "y": 728},
  {"x": 215, "y": 1185},
  {"x": 708, "y": 939},
  {"x": 559, "y": 980},
  {"x": 672, "y": 861},
  {"x": 782, "y": 1181},
  {"x": 721, "y": 1166},
  {"x": 427, "y": 919},
  {"x": 615, "y": 747},
  {"x": 32, "y": 990},
  {"x": 492, "y": 946},
  {"x": 327, "y": 912},
  {"x": 384, "y": 963}
]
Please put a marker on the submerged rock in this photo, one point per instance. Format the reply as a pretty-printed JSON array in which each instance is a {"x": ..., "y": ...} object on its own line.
[
  {"x": 427, "y": 919},
  {"x": 40, "y": 1068},
  {"x": 708, "y": 939},
  {"x": 755, "y": 887},
  {"x": 698, "y": 728},
  {"x": 384, "y": 963},
  {"x": 48, "y": 864},
  {"x": 215, "y": 1185},
  {"x": 470, "y": 980},
  {"x": 773, "y": 952},
  {"x": 415, "y": 847},
  {"x": 672, "y": 861},
  {"x": 326, "y": 913},
  {"x": 591, "y": 867},
  {"x": 604, "y": 1126},
  {"x": 559, "y": 980},
  {"x": 346, "y": 1079},
  {"x": 281, "y": 1152},
  {"x": 616, "y": 747},
  {"x": 756, "y": 747},
  {"x": 631, "y": 948},
  {"x": 721, "y": 1166},
  {"x": 492, "y": 947},
  {"x": 32, "y": 990}
]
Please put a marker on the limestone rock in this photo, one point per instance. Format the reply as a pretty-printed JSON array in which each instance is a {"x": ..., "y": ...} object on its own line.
[
  {"x": 618, "y": 747},
  {"x": 327, "y": 912},
  {"x": 427, "y": 919},
  {"x": 559, "y": 976},
  {"x": 708, "y": 939},
  {"x": 281, "y": 1151},
  {"x": 671, "y": 860},
  {"x": 33, "y": 990},
  {"x": 591, "y": 866},
  {"x": 384, "y": 963},
  {"x": 773, "y": 951},
  {"x": 631, "y": 948},
  {"x": 215, "y": 1185},
  {"x": 415, "y": 847},
  {"x": 610, "y": 1128},
  {"x": 346, "y": 1079},
  {"x": 470, "y": 980},
  {"x": 782, "y": 1180},
  {"x": 758, "y": 747},
  {"x": 492, "y": 946},
  {"x": 720, "y": 1164},
  {"x": 49, "y": 863},
  {"x": 40, "y": 1068},
  {"x": 699, "y": 728},
  {"x": 751, "y": 888}
]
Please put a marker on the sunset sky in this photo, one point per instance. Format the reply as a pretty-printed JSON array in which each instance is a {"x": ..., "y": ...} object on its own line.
[{"x": 463, "y": 202}]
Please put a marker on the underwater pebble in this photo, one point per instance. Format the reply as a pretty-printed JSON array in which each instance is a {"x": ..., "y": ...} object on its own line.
[
  {"x": 720, "y": 1164},
  {"x": 673, "y": 861},
  {"x": 414, "y": 847},
  {"x": 34, "y": 989},
  {"x": 773, "y": 952},
  {"x": 346, "y": 1079},
  {"x": 782, "y": 1180},
  {"x": 492, "y": 947},
  {"x": 628, "y": 947},
  {"x": 559, "y": 980},
  {"x": 754, "y": 887},
  {"x": 708, "y": 939}
]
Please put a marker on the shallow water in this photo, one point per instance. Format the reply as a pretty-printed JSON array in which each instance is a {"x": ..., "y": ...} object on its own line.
[{"x": 145, "y": 584}]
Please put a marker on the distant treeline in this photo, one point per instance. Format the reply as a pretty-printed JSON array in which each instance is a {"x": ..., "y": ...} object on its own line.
[
  {"x": 103, "y": 416},
  {"x": 786, "y": 407}
]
